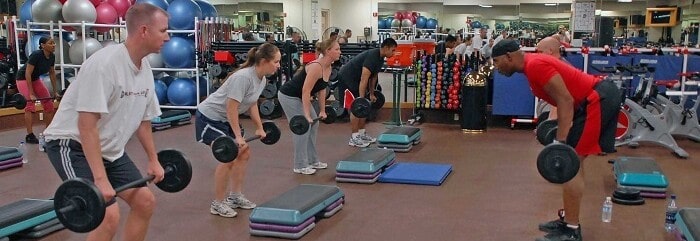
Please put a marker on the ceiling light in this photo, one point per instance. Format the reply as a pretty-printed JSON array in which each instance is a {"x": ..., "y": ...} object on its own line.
[
  {"x": 624, "y": 1},
  {"x": 485, "y": 6},
  {"x": 550, "y": 4}
]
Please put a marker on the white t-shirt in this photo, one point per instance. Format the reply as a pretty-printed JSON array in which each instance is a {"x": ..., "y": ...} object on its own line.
[
  {"x": 478, "y": 42},
  {"x": 243, "y": 86},
  {"x": 108, "y": 83},
  {"x": 464, "y": 49}
]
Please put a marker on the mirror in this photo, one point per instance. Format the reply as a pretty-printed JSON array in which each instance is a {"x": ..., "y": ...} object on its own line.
[{"x": 256, "y": 16}]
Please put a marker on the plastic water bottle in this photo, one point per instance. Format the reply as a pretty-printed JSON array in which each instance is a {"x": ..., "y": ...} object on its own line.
[
  {"x": 42, "y": 142},
  {"x": 671, "y": 211},
  {"x": 23, "y": 149},
  {"x": 607, "y": 210}
]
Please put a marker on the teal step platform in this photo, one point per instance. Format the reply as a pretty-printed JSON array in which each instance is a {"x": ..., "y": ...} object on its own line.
[
  {"x": 171, "y": 115},
  {"x": 296, "y": 205},
  {"x": 639, "y": 171},
  {"x": 688, "y": 223},
  {"x": 24, "y": 214},
  {"x": 367, "y": 160}
]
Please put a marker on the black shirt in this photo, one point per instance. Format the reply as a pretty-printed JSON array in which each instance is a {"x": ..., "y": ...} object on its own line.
[
  {"x": 42, "y": 65},
  {"x": 351, "y": 72},
  {"x": 294, "y": 86}
]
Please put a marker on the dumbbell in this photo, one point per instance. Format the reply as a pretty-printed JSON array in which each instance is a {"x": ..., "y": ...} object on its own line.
[
  {"x": 546, "y": 131},
  {"x": 81, "y": 207},
  {"x": 225, "y": 148},
  {"x": 19, "y": 102},
  {"x": 558, "y": 163},
  {"x": 361, "y": 107},
  {"x": 299, "y": 125}
]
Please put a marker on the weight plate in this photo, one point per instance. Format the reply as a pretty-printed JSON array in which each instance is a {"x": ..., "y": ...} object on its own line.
[
  {"x": 270, "y": 91},
  {"x": 224, "y": 149},
  {"x": 89, "y": 205},
  {"x": 543, "y": 129},
  {"x": 360, "y": 107},
  {"x": 178, "y": 171},
  {"x": 267, "y": 107},
  {"x": 558, "y": 163},
  {"x": 272, "y": 133},
  {"x": 299, "y": 125}
]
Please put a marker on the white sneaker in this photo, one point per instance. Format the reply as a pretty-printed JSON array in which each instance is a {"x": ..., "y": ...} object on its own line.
[
  {"x": 367, "y": 138},
  {"x": 358, "y": 142},
  {"x": 222, "y": 209},
  {"x": 306, "y": 170},
  {"x": 240, "y": 202},
  {"x": 319, "y": 165}
]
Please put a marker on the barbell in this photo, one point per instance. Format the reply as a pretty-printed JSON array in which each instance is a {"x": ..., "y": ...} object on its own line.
[
  {"x": 299, "y": 125},
  {"x": 19, "y": 102},
  {"x": 361, "y": 107},
  {"x": 558, "y": 163},
  {"x": 225, "y": 148}
]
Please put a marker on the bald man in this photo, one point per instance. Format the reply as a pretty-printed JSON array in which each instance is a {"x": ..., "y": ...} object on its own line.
[{"x": 550, "y": 46}]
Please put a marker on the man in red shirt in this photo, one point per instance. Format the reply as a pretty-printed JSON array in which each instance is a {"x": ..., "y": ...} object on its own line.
[{"x": 587, "y": 110}]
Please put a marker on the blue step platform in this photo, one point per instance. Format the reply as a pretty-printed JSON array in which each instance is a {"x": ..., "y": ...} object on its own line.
[
  {"x": 24, "y": 214},
  {"x": 364, "y": 166},
  {"x": 688, "y": 224},
  {"x": 639, "y": 171}
]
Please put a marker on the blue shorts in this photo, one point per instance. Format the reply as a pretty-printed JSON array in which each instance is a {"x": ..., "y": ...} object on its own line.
[{"x": 206, "y": 130}]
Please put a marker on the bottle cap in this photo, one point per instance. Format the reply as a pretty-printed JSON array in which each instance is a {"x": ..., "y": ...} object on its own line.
[
  {"x": 607, "y": 198},
  {"x": 673, "y": 196}
]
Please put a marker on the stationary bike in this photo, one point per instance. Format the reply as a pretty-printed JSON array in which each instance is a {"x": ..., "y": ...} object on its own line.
[
  {"x": 636, "y": 123},
  {"x": 682, "y": 118}
]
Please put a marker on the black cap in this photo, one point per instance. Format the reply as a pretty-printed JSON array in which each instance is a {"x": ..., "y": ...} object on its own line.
[{"x": 505, "y": 46}]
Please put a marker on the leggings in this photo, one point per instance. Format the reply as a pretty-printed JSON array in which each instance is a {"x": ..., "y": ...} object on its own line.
[{"x": 40, "y": 91}]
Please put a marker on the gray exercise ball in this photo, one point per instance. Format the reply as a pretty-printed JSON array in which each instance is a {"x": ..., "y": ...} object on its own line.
[
  {"x": 91, "y": 46},
  {"x": 76, "y": 11},
  {"x": 156, "y": 61},
  {"x": 108, "y": 42},
  {"x": 406, "y": 23},
  {"x": 66, "y": 53},
  {"x": 395, "y": 23},
  {"x": 46, "y": 11}
]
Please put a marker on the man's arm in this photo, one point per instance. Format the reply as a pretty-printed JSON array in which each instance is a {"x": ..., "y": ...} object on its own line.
[
  {"x": 364, "y": 80},
  {"x": 90, "y": 141},
  {"x": 145, "y": 136},
  {"x": 556, "y": 89}
]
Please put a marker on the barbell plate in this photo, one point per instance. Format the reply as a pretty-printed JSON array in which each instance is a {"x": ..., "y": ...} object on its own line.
[
  {"x": 90, "y": 209},
  {"x": 181, "y": 174},
  {"x": 558, "y": 163},
  {"x": 269, "y": 91},
  {"x": 19, "y": 101},
  {"x": 360, "y": 107},
  {"x": 339, "y": 110},
  {"x": 379, "y": 103},
  {"x": 273, "y": 133},
  {"x": 543, "y": 116},
  {"x": 215, "y": 70},
  {"x": 299, "y": 125},
  {"x": 551, "y": 135},
  {"x": 330, "y": 115},
  {"x": 267, "y": 107},
  {"x": 224, "y": 149},
  {"x": 543, "y": 129}
]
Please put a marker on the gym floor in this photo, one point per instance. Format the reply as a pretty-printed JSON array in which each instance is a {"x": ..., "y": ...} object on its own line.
[{"x": 494, "y": 192}]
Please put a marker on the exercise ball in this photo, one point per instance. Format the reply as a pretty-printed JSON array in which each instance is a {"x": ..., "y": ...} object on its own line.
[
  {"x": 46, "y": 11},
  {"x": 182, "y": 91},
  {"x": 398, "y": 15},
  {"x": 108, "y": 42},
  {"x": 380, "y": 23},
  {"x": 407, "y": 15},
  {"x": 66, "y": 52},
  {"x": 120, "y": 5},
  {"x": 395, "y": 23},
  {"x": 161, "y": 91},
  {"x": 178, "y": 52},
  {"x": 421, "y": 21},
  {"x": 208, "y": 10},
  {"x": 431, "y": 23},
  {"x": 90, "y": 46},
  {"x": 76, "y": 11},
  {"x": 476, "y": 24},
  {"x": 106, "y": 14},
  {"x": 167, "y": 79},
  {"x": 162, "y": 4},
  {"x": 405, "y": 23},
  {"x": 182, "y": 14},
  {"x": 156, "y": 61},
  {"x": 25, "y": 12},
  {"x": 500, "y": 26},
  {"x": 68, "y": 36}
]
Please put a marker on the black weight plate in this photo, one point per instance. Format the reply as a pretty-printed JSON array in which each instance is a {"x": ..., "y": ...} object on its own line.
[
  {"x": 638, "y": 201},
  {"x": 178, "y": 171},
  {"x": 215, "y": 70},
  {"x": 90, "y": 209},
  {"x": 330, "y": 115},
  {"x": 299, "y": 125},
  {"x": 626, "y": 193},
  {"x": 269, "y": 91},
  {"x": 551, "y": 135},
  {"x": 267, "y": 107},
  {"x": 558, "y": 163},
  {"x": 224, "y": 149},
  {"x": 543, "y": 117},
  {"x": 19, "y": 101},
  {"x": 338, "y": 107},
  {"x": 543, "y": 129},
  {"x": 272, "y": 133},
  {"x": 379, "y": 103},
  {"x": 361, "y": 107}
]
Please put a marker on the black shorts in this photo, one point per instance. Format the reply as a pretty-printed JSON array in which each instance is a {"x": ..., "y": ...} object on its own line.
[
  {"x": 206, "y": 130},
  {"x": 595, "y": 121},
  {"x": 68, "y": 158},
  {"x": 352, "y": 85}
]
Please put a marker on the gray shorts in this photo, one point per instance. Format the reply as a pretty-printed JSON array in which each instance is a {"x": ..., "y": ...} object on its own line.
[{"x": 68, "y": 159}]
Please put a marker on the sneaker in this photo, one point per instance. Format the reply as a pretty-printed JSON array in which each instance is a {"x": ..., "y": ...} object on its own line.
[
  {"x": 554, "y": 226},
  {"x": 358, "y": 142},
  {"x": 306, "y": 170},
  {"x": 567, "y": 234},
  {"x": 240, "y": 202},
  {"x": 221, "y": 209},
  {"x": 31, "y": 139},
  {"x": 367, "y": 138},
  {"x": 319, "y": 165}
]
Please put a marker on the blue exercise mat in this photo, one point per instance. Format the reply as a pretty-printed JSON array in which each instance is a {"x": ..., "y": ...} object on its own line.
[{"x": 416, "y": 173}]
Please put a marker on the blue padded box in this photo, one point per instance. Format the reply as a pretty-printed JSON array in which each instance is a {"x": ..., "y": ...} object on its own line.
[
  {"x": 24, "y": 214},
  {"x": 639, "y": 171},
  {"x": 367, "y": 160},
  {"x": 296, "y": 205},
  {"x": 416, "y": 173},
  {"x": 688, "y": 223},
  {"x": 172, "y": 115},
  {"x": 400, "y": 135}
]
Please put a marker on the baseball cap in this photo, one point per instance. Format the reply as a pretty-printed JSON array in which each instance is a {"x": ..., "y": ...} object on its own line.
[{"x": 505, "y": 46}]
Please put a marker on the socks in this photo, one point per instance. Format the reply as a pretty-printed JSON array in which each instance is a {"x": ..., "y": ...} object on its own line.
[
  {"x": 571, "y": 226},
  {"x": 355, "y": 135},
  {"x": 234, "y": 195},
  {"x": 362, "y": 132}
]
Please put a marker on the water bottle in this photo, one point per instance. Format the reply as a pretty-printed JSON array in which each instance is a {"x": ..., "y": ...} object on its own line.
[
  {"x": 42, "y": 142},
  {"x": 671, "y": 211},
  {"x": 23, "y": 149},
  {"x": 607, "y": 210}
]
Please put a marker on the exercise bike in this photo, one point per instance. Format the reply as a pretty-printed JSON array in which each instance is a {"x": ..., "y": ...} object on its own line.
[{"x": 681, "y": 117}]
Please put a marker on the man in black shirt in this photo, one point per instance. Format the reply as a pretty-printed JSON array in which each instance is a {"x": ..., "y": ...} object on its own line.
[
  {"x": 357, "y": 78},
  {"x": 449, "y": 43}
]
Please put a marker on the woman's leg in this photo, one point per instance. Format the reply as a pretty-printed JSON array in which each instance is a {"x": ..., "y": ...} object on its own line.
[{"x": 29, "y": 109}]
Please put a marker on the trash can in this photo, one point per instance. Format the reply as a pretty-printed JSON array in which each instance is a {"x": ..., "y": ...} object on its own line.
[{"x": 474, "y": 97}]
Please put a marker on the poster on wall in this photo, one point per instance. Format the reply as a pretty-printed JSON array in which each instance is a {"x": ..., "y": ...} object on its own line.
[
  {"x": 584, "y": 17},
  {"x": 315, "y": 25}
]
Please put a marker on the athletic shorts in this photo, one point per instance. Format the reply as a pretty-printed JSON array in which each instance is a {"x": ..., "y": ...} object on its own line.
[
  {"x": 206, "y": 130},
  {"x": 595, "y": 121}
]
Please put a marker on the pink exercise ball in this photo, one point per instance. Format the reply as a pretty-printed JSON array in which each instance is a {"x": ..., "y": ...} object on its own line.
[
  {"x": 120, "y": 5},
  {"x": 95, "y": 3},
  {"x": 106, "y": 14}
]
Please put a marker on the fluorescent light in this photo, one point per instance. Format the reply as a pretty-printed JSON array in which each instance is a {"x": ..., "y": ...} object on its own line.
[
  {"x": 624, "y": 1},
  {"x": 485, "y": 6},
  {"x": 550, "y": 4}
]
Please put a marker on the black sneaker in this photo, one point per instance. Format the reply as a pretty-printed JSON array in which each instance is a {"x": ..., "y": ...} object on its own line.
[
  {"x": 568, "y": 234},
  {"x": 554, "y": 226},
  {"x": 31, "y": 139}
]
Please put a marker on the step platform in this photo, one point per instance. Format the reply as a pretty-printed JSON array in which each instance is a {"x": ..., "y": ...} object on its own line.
[
  {"x": 688, "y": 224},
  {"x": 639, "y": 171},
  {"x": 293, "y": 214},
  {"x": 171, "y": 118},
  {"x": 648, "y": 192},
  {"x": 416, "y": 173},
  {"x": 364, "y": 166},
  {"x": 11, "y": 163},
  {"x": 24, "y": 214},
  {"x": 40, "y": 230},
  {"x": 400, "y": 138},
  {"x": 7, "y": 153}
]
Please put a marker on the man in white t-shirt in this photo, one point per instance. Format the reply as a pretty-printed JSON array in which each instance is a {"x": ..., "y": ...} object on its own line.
[
  {"x": 480, "y": 40},
  {"x": 502, "y": 36},
  {"x": 112, "y": 98}
]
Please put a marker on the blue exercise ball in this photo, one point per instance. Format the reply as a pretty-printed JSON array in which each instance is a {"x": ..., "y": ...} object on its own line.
[
  {"x": 182, "y": 92},
  {"x": 25, "y": 12},
  {"x": 68, "y": 36},
  {"x": 182, "y": 14},
  {"x": 161, "y": 91},
  {"x": 476, "y": 24},
  {"x": 178, "y": 53},
  {"x": 208, "y": 10},
  {"x": 421, "y": 22},
  {"x": 431, "y": 23},
  {"x": 162, "y": 4},
  {"x": 380, "y": 24},
  {"x": 500, "y": 26}
]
